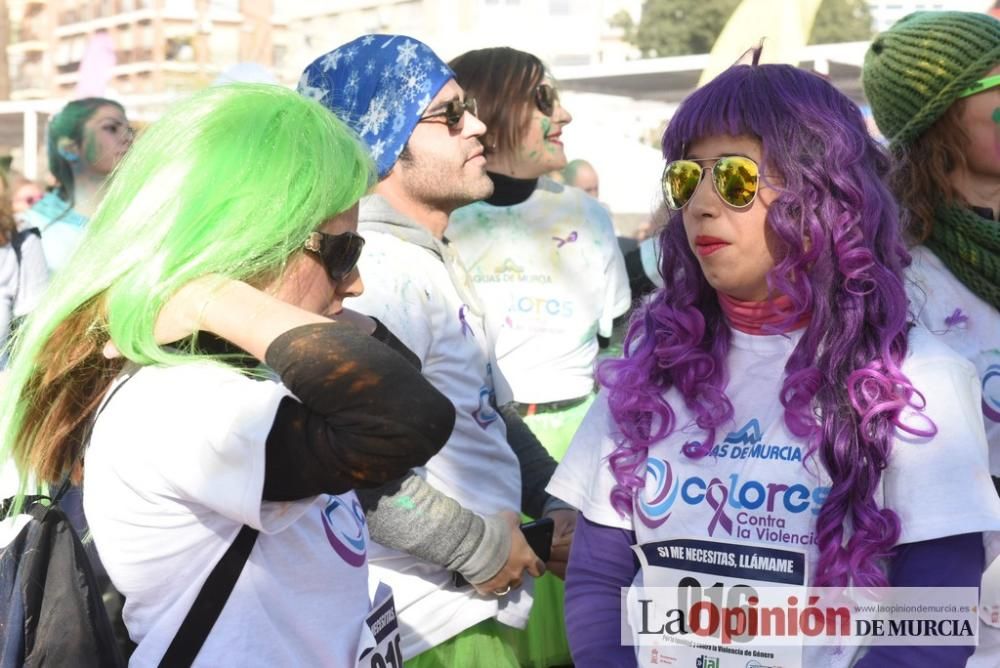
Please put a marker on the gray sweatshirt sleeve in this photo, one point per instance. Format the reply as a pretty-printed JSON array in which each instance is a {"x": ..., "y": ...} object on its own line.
[{"x": 411, "y": 516}]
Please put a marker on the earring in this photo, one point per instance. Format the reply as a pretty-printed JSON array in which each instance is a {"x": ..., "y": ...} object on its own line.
[{"x": 68, "y": 156}]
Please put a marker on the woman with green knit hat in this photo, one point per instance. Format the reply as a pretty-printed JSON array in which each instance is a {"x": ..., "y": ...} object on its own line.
[{"x": 933, "y": 81}]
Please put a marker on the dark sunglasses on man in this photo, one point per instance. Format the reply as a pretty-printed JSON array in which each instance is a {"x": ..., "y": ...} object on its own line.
[
  {"x": 339, "y": 253},
  {"x": 453, "y": 112}
]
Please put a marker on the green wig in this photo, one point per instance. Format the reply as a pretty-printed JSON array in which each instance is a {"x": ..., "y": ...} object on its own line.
[{"x": 230, "y": 181}]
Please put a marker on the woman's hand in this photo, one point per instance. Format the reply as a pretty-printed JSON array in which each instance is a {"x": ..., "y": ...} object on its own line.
[
  {"x": 562, "y": 538},
  {"x": 520, "y": 558}
]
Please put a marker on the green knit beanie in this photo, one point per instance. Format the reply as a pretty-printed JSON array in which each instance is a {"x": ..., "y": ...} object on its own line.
[{"x": 916, "y": 69}]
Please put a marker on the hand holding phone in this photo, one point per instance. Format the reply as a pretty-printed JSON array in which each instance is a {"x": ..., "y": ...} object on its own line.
[
  {"x": 565, "y": 526},
  {"x": 537, "y": 534}
]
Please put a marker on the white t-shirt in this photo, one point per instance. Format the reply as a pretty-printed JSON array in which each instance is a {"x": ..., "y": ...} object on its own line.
[
  {"x": 757, "y": 490},
  {"x": 409, "y": 289},
  {"x": 174, "y": 469},
  {"x": 551, "y": 274},
  {"x": 649, "y": 256},
  {"x": 971, "y": 327},
  {"x": 21, "y": 283}
]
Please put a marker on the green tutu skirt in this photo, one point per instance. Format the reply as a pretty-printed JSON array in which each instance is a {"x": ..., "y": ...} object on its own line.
[{"x": 490, "y": 644}]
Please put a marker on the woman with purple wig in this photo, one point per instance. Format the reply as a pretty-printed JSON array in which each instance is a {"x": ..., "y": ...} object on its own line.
[{"x": 775, "y": 419}]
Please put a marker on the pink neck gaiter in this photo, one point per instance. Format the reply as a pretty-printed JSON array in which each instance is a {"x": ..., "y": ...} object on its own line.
[{"x": 759, "y": 318}]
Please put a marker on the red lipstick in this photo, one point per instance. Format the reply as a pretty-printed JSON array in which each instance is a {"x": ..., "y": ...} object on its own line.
[{"x": 705, "y": 245}]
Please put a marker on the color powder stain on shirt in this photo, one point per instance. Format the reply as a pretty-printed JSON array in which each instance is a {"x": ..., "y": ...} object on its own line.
[{"x": 406, "y": 502}]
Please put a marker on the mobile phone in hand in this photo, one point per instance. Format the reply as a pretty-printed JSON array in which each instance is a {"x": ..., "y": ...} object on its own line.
[{"x": 538, "y": 535}]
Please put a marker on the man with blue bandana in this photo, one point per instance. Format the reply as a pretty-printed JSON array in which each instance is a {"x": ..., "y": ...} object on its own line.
[{"x": 459, "y": 512}]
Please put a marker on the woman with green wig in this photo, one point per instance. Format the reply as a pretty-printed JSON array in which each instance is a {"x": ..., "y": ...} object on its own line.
[
  {"x": 197, "y": 351},
  {"x": 86, "y": 141}
]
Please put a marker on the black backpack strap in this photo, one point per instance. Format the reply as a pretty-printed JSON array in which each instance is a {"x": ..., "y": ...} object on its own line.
[
  {"x": 26, "y": 503},
  {"x": 211, "y": 600},
  {"x": 17, "y": 240}
]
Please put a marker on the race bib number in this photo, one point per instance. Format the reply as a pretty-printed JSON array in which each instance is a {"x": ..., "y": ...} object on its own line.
[
  {"x": 697, "y": 603},
  {"x": 382, "y": 623}
]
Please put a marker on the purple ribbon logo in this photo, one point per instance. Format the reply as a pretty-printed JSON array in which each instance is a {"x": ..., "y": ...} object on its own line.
[
  {"x": 956, "y": 319},
  {"x": 560, "y": 242},
  {"x": 466, "y": 327},
  {"x": 719, "y": 506}
]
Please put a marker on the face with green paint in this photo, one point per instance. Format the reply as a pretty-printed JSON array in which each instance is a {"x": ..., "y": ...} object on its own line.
[
  {"x": 980, "y": 118},
  {"x": 107, "y": 136},
  {"x": 541, "y": 149}
]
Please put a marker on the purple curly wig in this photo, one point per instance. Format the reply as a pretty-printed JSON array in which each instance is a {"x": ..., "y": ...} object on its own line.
[{"x": 841, "y": 259}]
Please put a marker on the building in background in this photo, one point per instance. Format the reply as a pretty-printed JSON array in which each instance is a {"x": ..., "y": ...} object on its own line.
[
  {"x": 887, "y": 12},
  {"x": 160, "y": 46},
  {"x": 165, "y": 48},
  {"x": 560, "y": 32}
]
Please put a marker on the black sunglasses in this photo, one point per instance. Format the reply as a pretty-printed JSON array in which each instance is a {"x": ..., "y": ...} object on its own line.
[
  {"x": 546, "y": 98},
  {"x": 339, "y": 253},
  {"x": 454, "y": 111}
]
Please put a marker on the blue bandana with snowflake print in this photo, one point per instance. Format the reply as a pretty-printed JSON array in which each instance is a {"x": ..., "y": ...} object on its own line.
[{"x": 379, "y": 85}]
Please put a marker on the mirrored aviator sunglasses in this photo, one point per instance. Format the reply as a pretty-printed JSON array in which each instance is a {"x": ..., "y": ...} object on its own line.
[
  {"x": 734, "y": 177},
  {"x": 546, "y": 97},
  {"x": 339, "y": 253}
]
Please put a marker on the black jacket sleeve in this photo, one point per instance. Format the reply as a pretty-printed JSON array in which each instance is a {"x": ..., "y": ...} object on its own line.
[
  {"x": 536, "y": 464},
  {"x": 364, "y": 414}
]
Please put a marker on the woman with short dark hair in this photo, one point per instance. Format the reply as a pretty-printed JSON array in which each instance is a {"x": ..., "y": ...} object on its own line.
[{"x": 549, "y": 272}]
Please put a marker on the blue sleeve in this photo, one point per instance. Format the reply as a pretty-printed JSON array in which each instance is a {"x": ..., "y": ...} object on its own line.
[
  {"x": 952, "y": 561},
  {"x": 601, "y": 562}
]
